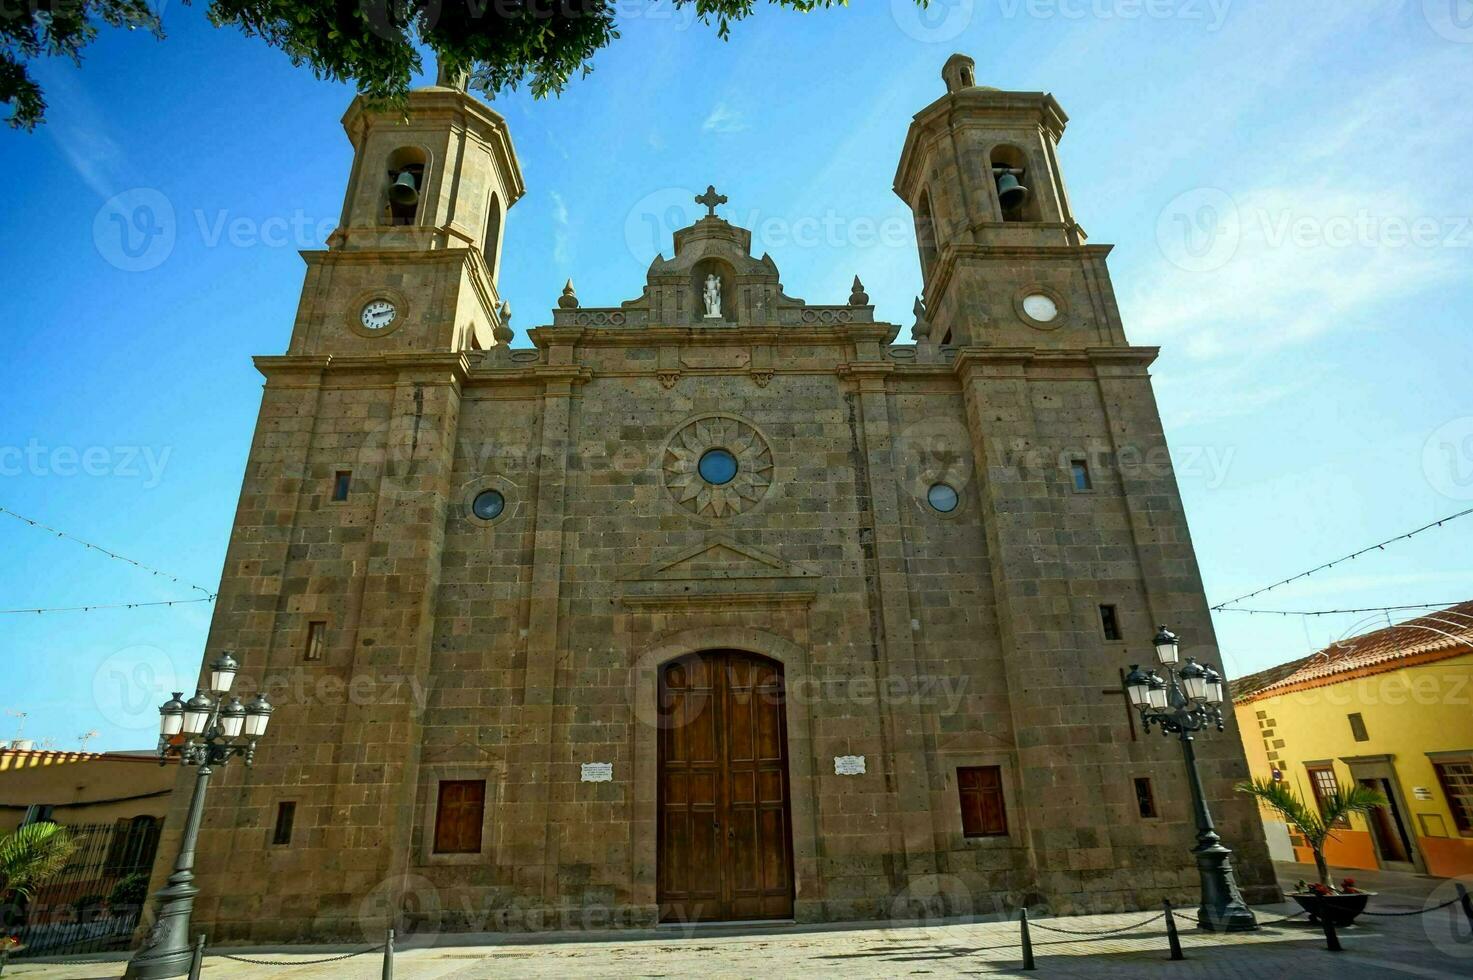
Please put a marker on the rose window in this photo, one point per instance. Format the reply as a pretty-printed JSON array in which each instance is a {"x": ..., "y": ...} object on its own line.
[{"x": 717, "y": 466}]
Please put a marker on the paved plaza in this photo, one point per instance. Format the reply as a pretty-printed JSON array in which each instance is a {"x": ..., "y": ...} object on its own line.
[{"x": 1437, "y": 944}]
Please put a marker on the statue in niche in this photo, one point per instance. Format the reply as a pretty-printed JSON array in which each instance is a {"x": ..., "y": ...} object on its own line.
[{"x": 711, "y": 295}]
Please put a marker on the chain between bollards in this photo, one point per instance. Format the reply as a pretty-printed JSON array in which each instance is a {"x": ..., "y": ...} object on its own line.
[
  {"x": 198, "y": 959},
  {"x": 1172, "y": 939},
  {"x": 388, "y": 973},
  {"x": 1028, "y": 963}
]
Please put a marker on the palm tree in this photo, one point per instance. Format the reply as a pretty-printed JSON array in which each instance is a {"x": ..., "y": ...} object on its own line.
[
  {"x": 31, "y": 854},
  {"x": 1314, "y": 825}
]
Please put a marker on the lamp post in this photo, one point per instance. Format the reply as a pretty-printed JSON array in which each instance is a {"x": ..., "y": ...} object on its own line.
[
  {"x": 206, "y": 731},
  {"x": 1188, "y": 700}
]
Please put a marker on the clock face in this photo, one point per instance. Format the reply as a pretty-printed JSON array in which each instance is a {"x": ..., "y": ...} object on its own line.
[
  {"x": 378, "y": 314},
  {"x": 1040, "y": 307}
]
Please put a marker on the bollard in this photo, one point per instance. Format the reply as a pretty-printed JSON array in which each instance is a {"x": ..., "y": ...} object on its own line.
[
  {"x": 198, "y": 959},
  {"x": 1028, "y": 963},
  {"x": 1171, "y": 937},
  {"x": 388, "y": 973},
  {"x": 1465, "y": 902},
  {"x": 1332, "y": 941}
]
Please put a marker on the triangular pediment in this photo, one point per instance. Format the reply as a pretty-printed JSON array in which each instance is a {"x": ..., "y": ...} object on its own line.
[{"x": 719, "y": 557}]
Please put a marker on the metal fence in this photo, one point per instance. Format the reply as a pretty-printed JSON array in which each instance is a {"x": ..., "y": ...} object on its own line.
[{"x": 95, "y": 902}]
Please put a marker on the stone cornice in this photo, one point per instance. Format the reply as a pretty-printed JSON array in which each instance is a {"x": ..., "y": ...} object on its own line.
[
  {"x": 1020, "y": 361},
  {"x": 953, "y": 254},
  {"x": 452, "y": 368},
  {"x": 546, "y": 335}
]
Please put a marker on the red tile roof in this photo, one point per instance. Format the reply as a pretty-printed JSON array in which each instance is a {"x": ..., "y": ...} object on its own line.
[{"x": 1435, "y": 636}]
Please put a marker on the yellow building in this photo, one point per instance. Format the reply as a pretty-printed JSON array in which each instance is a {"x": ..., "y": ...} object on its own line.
[
  {"x": 1391, "y": 709},
  {"x": 81, "y": 788}
]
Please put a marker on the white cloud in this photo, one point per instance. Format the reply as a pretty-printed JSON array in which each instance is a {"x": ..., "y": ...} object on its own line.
[
  {"x": 724, "y": 119},
  {"x": 561, "y": 239},
  {"x": 80, "y": 131},
  {"x": 1329, "y": 235}
]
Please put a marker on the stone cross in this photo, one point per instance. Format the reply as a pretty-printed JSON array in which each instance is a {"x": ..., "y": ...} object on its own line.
[{"x": 710, "y": 199}]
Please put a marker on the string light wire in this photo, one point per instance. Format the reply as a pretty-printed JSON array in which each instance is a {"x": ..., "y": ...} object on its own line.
[
  {"x": 1221, "y": 606},
  {"x": 111, "y": 554}
]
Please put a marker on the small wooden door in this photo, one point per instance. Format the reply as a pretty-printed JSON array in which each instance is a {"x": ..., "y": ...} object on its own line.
[{"x": 725, "y": 841}]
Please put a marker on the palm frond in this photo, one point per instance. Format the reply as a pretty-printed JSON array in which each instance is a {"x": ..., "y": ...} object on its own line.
[
  {"x": 1278, "y": 796},
  {"x": 1353, "y": 799},
  {"x": 31, "y": 854}
]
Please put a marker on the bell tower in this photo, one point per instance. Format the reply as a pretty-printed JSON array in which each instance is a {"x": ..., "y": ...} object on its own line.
[
  {"x": 413, "y": 263},
  {"x": 1003, "y": 262}
]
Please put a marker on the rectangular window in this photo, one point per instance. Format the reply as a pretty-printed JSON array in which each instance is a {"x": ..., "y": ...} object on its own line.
[
  {"x": 1322, "y": 780},
  {"x": 458, "y": 817},
  {"x": 1110, "y": 622},
  {"x": 1145, "y": 799},
  {"x": 1457, "y": 785},
  {"x": 316, "y": 639},
  {"x": 286, "y": 815},
  {"x": 984, "y": 814},
  {"x": 1079, "y": 473},
  {"x": 39, "y": 813},
  {"x": 340, "y": 485},
  {"x": 1358, "y": 727}
]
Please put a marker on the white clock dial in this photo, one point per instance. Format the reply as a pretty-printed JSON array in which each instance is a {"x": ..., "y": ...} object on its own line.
[
  {"x": 378, "y": 314},
  {"x": 1042, "y": 308}
]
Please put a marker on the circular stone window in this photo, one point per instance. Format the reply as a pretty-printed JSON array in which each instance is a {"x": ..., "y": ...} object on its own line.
[
  {"x": 717, "y": 467},
  {"x": 1040, "y": 307},
  {"x": 488, "y": 505},
  {"x": 942, "y": 497}
]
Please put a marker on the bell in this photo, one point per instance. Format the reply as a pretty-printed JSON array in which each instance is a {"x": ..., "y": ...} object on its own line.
[
  {"x": 403, "y": 191},
  {"x": 1010, "y": 193}
]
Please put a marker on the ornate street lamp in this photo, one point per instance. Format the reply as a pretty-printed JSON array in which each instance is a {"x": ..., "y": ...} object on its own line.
[
  {"x": 1188, "y": 700},
  {"x": 205, "y": 731}
]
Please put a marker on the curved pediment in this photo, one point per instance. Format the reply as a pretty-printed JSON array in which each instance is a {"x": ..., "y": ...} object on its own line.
[{"x": 713, "y": 281}]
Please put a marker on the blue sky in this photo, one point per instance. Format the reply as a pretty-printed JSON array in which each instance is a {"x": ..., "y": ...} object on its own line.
[{"x": 1286, "y": 186}]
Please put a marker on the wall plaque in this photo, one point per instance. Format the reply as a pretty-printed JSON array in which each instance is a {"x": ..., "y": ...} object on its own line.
[
  {"x": 598, "y": 772},
  {"x": 848, "y": 765},
  {"x": 1422, "y": 792}
]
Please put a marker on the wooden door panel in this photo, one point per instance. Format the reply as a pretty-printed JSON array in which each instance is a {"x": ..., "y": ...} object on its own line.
[{"x": 725, "y": 830}]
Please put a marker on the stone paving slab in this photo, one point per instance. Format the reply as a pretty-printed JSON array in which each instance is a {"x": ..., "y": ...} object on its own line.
[{"x": 1436, "y": 945}]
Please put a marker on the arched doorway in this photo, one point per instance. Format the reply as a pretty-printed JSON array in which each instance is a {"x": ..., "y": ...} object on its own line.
[{"x": 725, "y": 849}]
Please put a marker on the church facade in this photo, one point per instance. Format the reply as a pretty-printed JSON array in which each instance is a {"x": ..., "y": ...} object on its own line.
[{"x": 714, "y": 604}]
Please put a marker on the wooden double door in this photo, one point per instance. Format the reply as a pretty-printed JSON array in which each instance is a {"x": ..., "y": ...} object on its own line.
[{"x": 725, "y": 848}]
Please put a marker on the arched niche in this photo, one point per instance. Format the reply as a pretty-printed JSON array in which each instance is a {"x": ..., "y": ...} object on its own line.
[
  {"x": 925, "y": 233},
  {"x": 1008, "y": 159},
  {"x": 411, "y": 163},
  {"x": 724, "y": 274},
  {"x": 491, "y": 245}
]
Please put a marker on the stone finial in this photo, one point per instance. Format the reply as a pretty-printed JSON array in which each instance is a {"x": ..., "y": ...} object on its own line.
[
  {"x": 857, "y": 295},
  {"x": 921, "y": 331},
  {"x": 569, "y": 299},
  {"x": 445, "y": 78},
  {"x": 503, "y": 332},
  {"x": 959, "y": 72}
]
